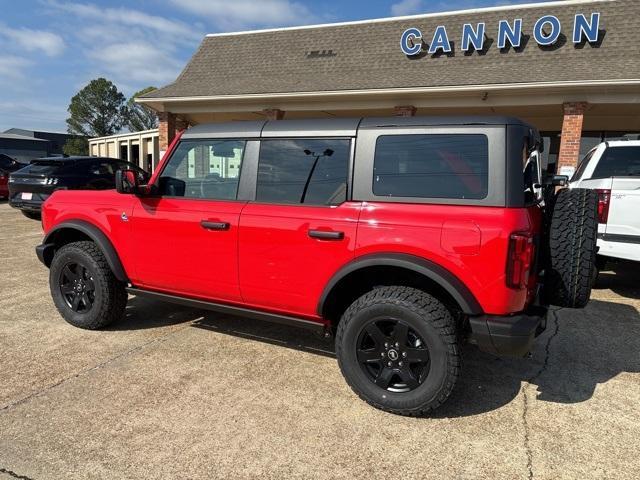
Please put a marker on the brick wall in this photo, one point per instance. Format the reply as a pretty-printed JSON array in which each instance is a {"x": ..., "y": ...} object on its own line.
[
  {"x": 571, "y": 134},
  {"x": 168, "y": 125}
]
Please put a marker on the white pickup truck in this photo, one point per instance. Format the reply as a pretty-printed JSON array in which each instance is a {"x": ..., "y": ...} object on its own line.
[{"x": 613, "y": 170}]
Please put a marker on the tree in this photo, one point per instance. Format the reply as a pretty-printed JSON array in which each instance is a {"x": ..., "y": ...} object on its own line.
[
  {"x": 98, "y": 110},
  {"x": 139, "y": 116},
  {"x": 76, "y": 146}
]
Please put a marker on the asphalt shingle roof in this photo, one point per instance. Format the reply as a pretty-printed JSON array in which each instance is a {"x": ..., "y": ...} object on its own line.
[{"x": 368, "y": 56}]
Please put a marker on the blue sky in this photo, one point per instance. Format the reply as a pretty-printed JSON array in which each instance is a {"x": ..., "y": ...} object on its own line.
[{"x": 49, "y": 49}]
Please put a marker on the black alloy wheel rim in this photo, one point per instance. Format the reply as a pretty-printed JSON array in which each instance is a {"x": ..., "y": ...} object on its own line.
[
  {"x": 393, "y": 355},
  {"x": 77, "y": 287}
]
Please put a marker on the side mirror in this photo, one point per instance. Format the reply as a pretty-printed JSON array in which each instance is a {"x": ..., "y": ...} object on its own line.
[
  {"x": 126, "y": 181},
  {"x": 560, "y": 180},
  {"x": 557, "y": 180}
]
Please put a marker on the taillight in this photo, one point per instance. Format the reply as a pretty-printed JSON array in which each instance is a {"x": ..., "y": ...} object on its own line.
[
  {"x": 519, "y": 260},
  {"x": 604, "y": 200}
]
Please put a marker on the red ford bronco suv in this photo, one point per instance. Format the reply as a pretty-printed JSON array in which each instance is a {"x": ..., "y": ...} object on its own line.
[{"x": 404, "y": 237}]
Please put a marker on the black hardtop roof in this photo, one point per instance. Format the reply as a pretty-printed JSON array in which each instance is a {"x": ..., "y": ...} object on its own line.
[{"x": 336, "y": 126}]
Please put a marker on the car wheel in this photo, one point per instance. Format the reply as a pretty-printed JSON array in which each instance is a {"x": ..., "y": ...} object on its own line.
[
  {"x": 572, "y": 248},
  {"x": 83, "y": 287},
  {"x": 397, "y": 349},
  {"x": 31, "y": 215}
]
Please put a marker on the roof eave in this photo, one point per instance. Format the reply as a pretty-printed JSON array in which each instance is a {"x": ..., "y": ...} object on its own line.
[{"x": 396, "y": 91}]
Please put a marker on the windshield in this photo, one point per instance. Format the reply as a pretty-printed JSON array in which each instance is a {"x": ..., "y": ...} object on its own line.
[{"x": 619, "y": 162}]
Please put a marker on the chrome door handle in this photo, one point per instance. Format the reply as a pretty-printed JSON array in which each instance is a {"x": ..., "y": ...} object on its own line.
[
  {"x": 215, "y": 225},
  {"x": 324, "y": 235}
]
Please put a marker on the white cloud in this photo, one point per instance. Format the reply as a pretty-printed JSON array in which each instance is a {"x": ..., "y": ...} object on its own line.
[
  {"x": 411, "y": 7},
  {"x": 33, "y": 40},
  {"x": 128, "y": 17},
  {"x": 407, "y": 7},
  {"x": 12, "y": 67},
  {"x": 235, "y": 14},
  {"x": 132, "y": 48},
  {"x": 137, "y": 62}
]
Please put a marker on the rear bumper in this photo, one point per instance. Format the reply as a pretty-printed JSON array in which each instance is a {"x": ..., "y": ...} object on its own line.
[
  {"x": 626, "y": 247},
  {"x": 31, "y": 206},
  {"x": 512, "y": 335}
]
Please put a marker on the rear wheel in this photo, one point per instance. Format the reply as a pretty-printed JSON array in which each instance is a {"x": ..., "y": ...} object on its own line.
[
  {"x": 397, "y": 349},
  {"x": 572, "y": 248},
  {"x": 83, "y": 287}
]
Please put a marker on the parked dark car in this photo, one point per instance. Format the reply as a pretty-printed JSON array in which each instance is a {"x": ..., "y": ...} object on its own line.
[
  {"x": 30, "y": 186},
  {"x": 7, "y": 166}
]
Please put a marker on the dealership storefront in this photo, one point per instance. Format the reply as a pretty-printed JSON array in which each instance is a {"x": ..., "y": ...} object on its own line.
[{"x": 570, "y": 68}]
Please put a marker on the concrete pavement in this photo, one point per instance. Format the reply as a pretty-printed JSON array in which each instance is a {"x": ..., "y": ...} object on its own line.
[{"x": 172, "y": 392}]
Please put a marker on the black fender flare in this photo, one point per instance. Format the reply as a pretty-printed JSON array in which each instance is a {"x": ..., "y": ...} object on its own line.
[
  {"x": 441, "y": 276},
  {"x": 46, "y": 251}
]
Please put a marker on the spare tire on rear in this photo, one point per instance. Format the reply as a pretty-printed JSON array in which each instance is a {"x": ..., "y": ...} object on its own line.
[{"x": 572, "y": 241}]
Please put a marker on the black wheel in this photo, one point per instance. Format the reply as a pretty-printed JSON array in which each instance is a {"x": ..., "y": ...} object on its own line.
[
  {"x": 397, "y": 349},
  {"x": 83, "y": 287},
  {"x": 572, "y": 248},
  {"x": 31, "y": 215}
]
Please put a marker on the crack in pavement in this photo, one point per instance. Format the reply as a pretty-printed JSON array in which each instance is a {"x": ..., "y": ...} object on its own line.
[
  {"x": 13, "y": 474},
  {"x": 91, "y": 369},
  {"x": 525, "y": 389}
]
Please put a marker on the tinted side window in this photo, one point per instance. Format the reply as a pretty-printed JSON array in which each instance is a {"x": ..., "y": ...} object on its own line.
[
  {"x": 208, "y": 169},
  {"x": 618, "y": 162},
  {"x": 309, "y": 171},
  {"x": 103, "y": 168},
  {"x": 432, "y": 166}
]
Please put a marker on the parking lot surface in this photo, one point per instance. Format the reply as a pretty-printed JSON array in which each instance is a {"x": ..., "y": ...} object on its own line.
[{"x": 172, "y": 392}]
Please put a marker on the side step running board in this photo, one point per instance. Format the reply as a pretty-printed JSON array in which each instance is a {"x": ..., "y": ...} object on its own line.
[{"x": 317, "y": 327}]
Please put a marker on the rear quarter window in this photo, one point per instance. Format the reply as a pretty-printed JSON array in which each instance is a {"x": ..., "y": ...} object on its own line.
[
  {"x": 432, "y": 166},
  {"x": 618, "y": 162}
]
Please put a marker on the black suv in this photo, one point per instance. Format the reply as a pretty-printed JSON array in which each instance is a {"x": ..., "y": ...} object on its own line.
[{"x": 32, "y": 185}]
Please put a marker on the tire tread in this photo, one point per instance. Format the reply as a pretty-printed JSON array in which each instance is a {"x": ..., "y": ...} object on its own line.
[
  {"x": 572, "y": 248},
  {"x": 114, "y": 296},
  {"x": 431, "y": 310}
]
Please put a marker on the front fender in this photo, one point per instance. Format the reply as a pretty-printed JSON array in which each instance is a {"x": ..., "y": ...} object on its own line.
[{"x": 50, "y": 244}]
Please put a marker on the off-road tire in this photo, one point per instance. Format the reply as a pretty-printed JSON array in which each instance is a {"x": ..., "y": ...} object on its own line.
[
  {"x": 110, "y": 295},
  {"x": 572, "y": 248},
  {"x": 31, "y": 215},
  {"x": 428, "y": 317}
]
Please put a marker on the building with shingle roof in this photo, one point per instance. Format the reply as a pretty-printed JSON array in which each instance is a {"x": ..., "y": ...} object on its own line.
[{"x": 572, "y": 68}]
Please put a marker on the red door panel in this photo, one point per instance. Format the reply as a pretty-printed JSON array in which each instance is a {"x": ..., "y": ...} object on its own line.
[
  {"x": 187, "y": 247},
  {"x": 289, "y": 253}
]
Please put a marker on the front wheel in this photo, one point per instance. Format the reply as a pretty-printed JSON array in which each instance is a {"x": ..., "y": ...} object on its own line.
[
  {"x": 397, "y": 349},
  {"x": 84, "y": 289}
]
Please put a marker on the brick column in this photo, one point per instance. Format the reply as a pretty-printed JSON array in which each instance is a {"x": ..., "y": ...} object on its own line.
[
  {"x": 168, "y": 125},
  {"x": 273, "y": 113},
  {"x": 571, "y": 134},
  {"x": 404, "y": 111}
]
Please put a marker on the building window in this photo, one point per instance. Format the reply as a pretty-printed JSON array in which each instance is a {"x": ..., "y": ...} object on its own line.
[{"x": 431, "y": 166}]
